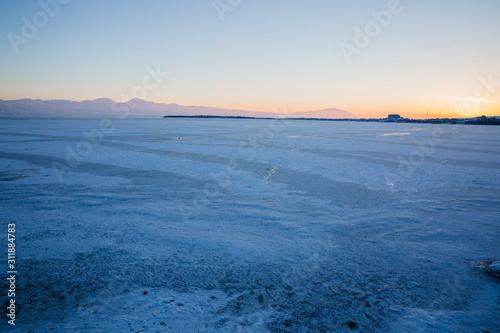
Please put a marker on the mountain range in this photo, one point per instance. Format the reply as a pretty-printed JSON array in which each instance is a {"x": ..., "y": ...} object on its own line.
[{"x": 137, "y": 108}]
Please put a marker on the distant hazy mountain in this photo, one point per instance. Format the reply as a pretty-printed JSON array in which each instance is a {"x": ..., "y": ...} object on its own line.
[{"x": 135, "y": 108}]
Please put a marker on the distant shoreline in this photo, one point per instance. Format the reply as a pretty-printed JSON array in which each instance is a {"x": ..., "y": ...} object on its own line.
[{"x": 466, "y": 121}]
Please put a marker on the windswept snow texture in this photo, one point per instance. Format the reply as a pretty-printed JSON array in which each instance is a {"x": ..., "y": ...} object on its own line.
[{"x": 251, "y": 225}]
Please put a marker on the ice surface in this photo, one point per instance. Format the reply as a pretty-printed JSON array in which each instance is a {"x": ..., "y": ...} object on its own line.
[{"x": 252, "y": 225}]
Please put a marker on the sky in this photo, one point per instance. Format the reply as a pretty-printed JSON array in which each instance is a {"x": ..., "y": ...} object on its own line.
[{"x": 368, "y": 57}]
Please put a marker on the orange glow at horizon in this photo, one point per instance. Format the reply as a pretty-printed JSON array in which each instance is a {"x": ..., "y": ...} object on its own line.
[{"x": 412, "y": 111}]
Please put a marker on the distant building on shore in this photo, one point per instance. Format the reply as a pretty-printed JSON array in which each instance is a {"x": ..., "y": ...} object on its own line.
[{"x": 393, "y": 117}]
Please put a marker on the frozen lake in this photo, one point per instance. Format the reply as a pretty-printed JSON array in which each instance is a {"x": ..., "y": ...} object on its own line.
[{"x": 252, "y": 225}]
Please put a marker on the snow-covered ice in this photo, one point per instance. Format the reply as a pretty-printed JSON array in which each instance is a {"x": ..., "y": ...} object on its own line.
[{"x": 252, "y": 225}]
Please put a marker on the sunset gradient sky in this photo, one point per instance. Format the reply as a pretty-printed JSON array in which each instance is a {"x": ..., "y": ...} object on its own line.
[{"x": 436, "y": 56}]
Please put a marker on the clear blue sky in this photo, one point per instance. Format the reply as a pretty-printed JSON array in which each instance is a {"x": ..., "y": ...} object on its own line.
[{"x": 262, "y": 55}]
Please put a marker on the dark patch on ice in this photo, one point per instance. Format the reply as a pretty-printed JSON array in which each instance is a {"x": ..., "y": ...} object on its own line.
[
  {"x": 340, "y": 194},
  {"x": 351, "y": 324},
  {"x": 138, "y": 177},
  {"x": 6, "y": 176}
]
